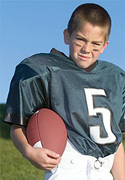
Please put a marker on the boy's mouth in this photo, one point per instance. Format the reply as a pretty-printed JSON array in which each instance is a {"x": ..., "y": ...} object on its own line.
[{"x": 83, "y": 57}]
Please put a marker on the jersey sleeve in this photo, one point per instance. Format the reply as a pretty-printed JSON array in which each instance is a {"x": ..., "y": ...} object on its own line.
[
  {"x": 28, "y": 93},
  {"x": 122, "y": 122}
]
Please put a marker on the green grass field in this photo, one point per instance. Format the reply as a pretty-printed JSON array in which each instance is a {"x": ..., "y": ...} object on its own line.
[{"x": 12, "y": 165}]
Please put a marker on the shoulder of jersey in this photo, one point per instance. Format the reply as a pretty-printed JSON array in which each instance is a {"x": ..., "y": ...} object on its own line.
[
  {"x": 50, "y": 60},
  {"x": 110, "y": 68},
  {"x": 41, "y": 64}
]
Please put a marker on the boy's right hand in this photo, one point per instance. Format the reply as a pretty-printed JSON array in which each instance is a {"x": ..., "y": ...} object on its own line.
[
  {"x": 43, "y": 158},
  {"x": 39, "y": 157}
]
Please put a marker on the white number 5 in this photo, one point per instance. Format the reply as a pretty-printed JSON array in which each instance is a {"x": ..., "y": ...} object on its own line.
[{"x": 106, "y": 117}]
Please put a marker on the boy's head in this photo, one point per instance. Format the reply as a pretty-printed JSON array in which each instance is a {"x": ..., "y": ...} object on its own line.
[
  {"x": 93, "y": 14},
  {"x": 87, "y": 33}
]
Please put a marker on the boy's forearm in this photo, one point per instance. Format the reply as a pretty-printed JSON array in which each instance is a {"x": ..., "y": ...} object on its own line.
[
  {"x": 40, "y": 157},
  {"x": 19, "y": 139},
  {"x": 118, "y": 169}
]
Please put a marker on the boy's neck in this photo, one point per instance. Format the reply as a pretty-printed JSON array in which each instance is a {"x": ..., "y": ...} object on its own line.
[{"x": 89, "y": 69}]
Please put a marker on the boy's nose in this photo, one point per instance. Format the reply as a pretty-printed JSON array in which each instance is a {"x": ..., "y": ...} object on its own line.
[{"x": 86, "y": 48}]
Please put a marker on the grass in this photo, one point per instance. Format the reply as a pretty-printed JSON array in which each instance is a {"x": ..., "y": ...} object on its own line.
[{"x": 12, "y": 165}]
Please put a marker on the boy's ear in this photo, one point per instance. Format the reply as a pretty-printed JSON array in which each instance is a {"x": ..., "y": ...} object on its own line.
[
  {"x": 105, "y": 45},
  {"x": 66, "y": 36}
]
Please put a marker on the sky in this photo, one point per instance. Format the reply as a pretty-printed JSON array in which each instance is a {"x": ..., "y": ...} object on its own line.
[{"x": 28, "y": 27}]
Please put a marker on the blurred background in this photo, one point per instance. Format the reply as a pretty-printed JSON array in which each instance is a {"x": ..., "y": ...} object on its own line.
[{"x": 28, "y": 27}]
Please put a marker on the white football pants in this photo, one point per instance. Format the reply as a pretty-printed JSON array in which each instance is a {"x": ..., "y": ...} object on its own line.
[{"x": 75, "y": 166}]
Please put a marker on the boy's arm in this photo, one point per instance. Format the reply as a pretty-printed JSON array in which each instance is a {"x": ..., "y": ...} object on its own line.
[
  {"x": 118, "y": 169},
  {"x": 39, "y": 157}
]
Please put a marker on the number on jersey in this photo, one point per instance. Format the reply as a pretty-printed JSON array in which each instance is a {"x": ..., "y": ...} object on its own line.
[{"x": 106, "y": 117}]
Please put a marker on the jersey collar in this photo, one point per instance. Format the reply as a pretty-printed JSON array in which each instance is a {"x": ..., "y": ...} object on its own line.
[{"x": 89, "y": 69}]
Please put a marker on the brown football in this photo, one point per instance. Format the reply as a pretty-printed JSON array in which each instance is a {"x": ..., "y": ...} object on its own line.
[{"x": 46, "y": 129}]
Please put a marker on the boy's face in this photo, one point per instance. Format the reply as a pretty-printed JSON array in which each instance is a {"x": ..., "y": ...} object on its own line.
[{"x": 85, "y": 44}]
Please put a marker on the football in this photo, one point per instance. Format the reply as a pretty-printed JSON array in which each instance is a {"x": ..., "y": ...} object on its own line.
[{"x": 46, "y": 129}]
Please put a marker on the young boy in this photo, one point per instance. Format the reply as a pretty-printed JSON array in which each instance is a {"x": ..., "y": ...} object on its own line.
[{"x": 88, "y": 94}]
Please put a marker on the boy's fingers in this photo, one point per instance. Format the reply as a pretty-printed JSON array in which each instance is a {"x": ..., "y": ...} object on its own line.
[{"x": 52, "y": 154}]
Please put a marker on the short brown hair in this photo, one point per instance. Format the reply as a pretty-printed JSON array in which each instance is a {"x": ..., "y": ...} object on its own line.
[{"x": 91, "y": 13}]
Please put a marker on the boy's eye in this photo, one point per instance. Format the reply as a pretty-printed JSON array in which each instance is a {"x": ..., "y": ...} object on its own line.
[
  {"x": 80, "y": 39},
  {"x": 97, "y": 44}
]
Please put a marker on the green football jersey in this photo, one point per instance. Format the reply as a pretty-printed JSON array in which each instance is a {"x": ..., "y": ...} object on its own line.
[{"x": 92, "y": 104}]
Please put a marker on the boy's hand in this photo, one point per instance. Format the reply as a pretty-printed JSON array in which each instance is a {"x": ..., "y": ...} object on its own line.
[
  {"x": 39, "y": 157},
  {"x": 43, "y": 158}
]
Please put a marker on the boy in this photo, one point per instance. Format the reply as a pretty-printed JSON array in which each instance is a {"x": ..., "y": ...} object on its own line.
[{"x": 88, "y": 94}]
